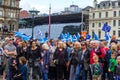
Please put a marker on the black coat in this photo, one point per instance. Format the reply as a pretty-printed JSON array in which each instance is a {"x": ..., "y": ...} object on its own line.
[
  {"x": 61, "y": 57},
  {"x": 85, "y": 59}
]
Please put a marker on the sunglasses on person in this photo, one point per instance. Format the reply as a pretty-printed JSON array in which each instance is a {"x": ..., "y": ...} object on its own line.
[{"x": 82, "y": 44}]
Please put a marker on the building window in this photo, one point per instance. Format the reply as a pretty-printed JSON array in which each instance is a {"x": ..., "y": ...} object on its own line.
[
  {"x": 119, "y": 13},
  {"x": 0, "y": 13},
  {"x": 12, "y": 3},
  {"x": 119, "y": 33},
  {"x": 114, "y": 13},
  {"x": 114, "y": 32},
  {"x": 93, "y": 15},
  {"x": 0, "y": 2},
  {"x": 100, "y": 15},
  {"x": 118, "y": 22},
  {"x": 99, "y": 24},
  {"x": 99, "y": 34},
  {"x": 106, "y": 14},
  {"x": 114, "y": 22},
  {"x": 93, "y": 25},
  {"x": 11, "y": 15},
  {"x": 92, "y": 34}
]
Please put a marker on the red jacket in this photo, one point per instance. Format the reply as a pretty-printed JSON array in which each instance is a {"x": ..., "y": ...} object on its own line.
[
  {"x": 101, "y": 56},
  {"x": 91, "y": 56}
]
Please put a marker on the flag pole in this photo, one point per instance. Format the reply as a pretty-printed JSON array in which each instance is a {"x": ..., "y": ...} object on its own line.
[{"x": 49, "y": 20}]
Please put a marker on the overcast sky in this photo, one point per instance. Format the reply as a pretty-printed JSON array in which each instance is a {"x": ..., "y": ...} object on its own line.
[{"x": 56, "y": 5}]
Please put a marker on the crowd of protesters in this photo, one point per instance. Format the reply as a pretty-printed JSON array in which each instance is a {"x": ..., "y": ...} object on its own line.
[{"x": 57, "y": 60}]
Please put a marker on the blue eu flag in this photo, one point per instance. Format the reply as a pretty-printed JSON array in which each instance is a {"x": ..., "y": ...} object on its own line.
[
  {"x": 106, "y": 27},
  {"x": 88, "y": 36}
]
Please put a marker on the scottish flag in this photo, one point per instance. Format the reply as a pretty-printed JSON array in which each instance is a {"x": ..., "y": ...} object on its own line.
[
  {"x": 106, "y": 37},
  {"x": 74, "y": 38},
  {"x": 39, "y": 32},
  {"x": 18, "y": 34},
  {"x": 78, "y": 36},
  {"x": 67, "y": 36},
  {"x": 95, "y": 36},
  {"x": 25, "y": 38},
  {"x": 62, "y": 36},
  {"x": 41, "y": 40},
  {"x": 106, "y": 27}
]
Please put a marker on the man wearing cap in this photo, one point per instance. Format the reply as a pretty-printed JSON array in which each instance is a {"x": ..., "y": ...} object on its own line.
[{"x": 9, "y": 50}]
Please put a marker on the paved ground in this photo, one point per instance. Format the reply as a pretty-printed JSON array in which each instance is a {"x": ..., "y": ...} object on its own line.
[{"x": 0, "y": 77}]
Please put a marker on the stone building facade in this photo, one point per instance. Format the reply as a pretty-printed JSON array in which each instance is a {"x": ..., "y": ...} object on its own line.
[
  {"x": 9, "y": 14},
  {"x": 105, "y": 11}
]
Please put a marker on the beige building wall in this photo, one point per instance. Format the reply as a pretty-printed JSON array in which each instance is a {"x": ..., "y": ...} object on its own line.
[
  {"x": 9, "y": 14},
  {"x": 97, "y": 21}
]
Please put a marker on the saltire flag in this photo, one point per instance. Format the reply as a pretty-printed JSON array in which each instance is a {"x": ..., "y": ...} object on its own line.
[
  {"x": 18, "y": 34},
  {"x": 106, "y": 27},
  {"x": 95, "y": 37},
  {"x": 74, "y": 38},
  {"x": 78, "y": 36},
  {"x": 62, "y": 36},
  {"x": 25, "y": 38},
  {"x": 41, "y": 40},
  {"x": 39, "y": 32},
  {"x": 45, "y": 39},
  {"x": 70, "y": 39},
  {"x": 67, "y": 36},
  {"x": 106, "y": 37}
]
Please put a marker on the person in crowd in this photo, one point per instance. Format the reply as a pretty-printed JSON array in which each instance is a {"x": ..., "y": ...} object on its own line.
[
  {"x": 5, "y": 63},
  {"x": 9, "y": 51},
  {"x": 96, "y": 68},
  {"x": 52, "y": 68},
  {"x": 24, "y": 50},
  {"x": 111, "y": 66},
  {"x": 91, "y": 45},
  {"x": 118, "y": 54},
  {"x": 23, "y": 70},
  {"x": 66, "y": 67},
  {"x": 113, "y": 40},
  {"x": 60, "y": 59},
  {"x": 44, "y": 62},
  {"x": 99, "y": 50},
  {"x": 88, "y": 44},
  {"x": 14, "y": 68},
  {"x": 1, "y": 58},
  {"x": 104, "y": 48},
  {"x": 118, "y": 46},
  {"x": 29, "y": 45},
  {"x": 69, "y": 49},
  {"x": 34, "y": 59},
  {"x": 74, "y": 62},
  {"x": 84, "y": 60},
  {"x": 117, "y": 69},
  {"x": 113, "y": 47},
  {"x": 19, "y": 49}
]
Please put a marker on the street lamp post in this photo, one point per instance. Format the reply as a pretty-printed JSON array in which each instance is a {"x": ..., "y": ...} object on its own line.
[{"x": 33, "y": 12}]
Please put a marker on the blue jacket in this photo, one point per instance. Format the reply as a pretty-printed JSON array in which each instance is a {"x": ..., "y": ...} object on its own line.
[
  {"x": 23, "y": 72},
  {"x": 46, "y": 59}
]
